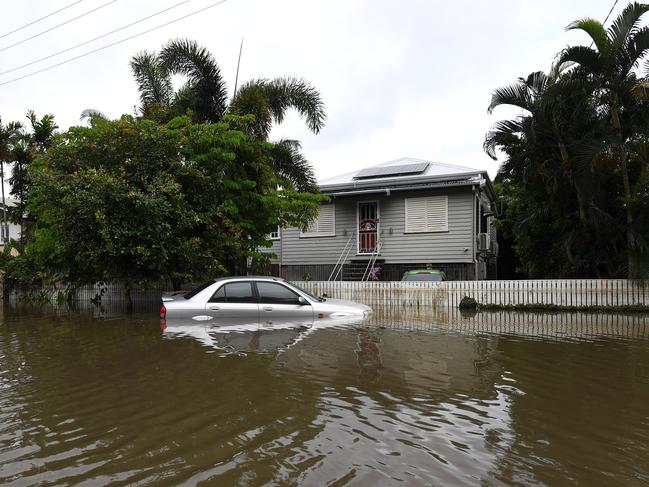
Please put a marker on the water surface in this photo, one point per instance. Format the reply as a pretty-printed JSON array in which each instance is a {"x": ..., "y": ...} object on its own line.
[{"x": 410, "y": 397}]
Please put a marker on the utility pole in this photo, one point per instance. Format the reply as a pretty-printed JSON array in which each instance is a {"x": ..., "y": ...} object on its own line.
[
  {"x": 5, "y": 226},
  {"x": 236, "y": 79}
]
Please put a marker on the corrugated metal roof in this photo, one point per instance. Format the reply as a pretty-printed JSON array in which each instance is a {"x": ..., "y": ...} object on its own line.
[{"x": 432, "y": 170}]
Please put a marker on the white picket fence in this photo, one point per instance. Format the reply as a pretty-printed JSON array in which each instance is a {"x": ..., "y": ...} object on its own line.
[{"x": 563, "y": 292}]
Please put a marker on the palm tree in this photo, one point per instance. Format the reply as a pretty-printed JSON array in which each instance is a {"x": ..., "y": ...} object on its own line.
[
  {"x": 30, "y": 144},
  {"x": 553, "y": 150},
  {"x": 9, "y": 136},
  {"x": 611, "y": 67},
  {"x": 205, "y": 94},
  {"x": 557, "y": 116}
]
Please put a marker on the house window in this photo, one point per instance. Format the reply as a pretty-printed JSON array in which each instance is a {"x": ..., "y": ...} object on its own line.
[
  {"x": 324, "y": 225},
  {"x": 427, "y": 214},
  {"x": 274, "y": 235}
]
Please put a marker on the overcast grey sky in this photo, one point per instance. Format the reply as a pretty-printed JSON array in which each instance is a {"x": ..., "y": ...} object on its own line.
[{"x": 399, "y": 78}]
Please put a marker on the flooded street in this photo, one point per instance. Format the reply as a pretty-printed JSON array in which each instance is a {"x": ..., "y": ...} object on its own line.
[{"x": 406, "y": 398}]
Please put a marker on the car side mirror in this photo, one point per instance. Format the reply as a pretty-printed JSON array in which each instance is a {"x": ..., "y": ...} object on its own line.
[
  {"x": 324, "y": 295},
  {"x": 302, "y": 300}
]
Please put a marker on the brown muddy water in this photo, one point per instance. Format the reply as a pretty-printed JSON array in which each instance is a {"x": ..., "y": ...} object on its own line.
[{"x": 421, "y": 397}]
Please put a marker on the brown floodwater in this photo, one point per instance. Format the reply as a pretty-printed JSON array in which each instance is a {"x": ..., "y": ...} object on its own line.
[{"x": 409, "y": 397}]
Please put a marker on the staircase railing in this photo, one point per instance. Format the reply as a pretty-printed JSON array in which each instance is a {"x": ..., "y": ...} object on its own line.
[
  {"x": 371, "y": 262},
  {"x": 344, "y": 255}
]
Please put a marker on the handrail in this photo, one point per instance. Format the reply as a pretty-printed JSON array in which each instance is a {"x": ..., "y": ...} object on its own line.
[
  {"x": 351, "y": 248},
  {"x": 372, "y": 261},
  {"x": 341, "y": 260}
]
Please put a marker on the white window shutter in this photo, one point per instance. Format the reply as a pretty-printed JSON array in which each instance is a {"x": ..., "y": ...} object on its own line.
[
  {"x": 427, "y": 214},
  {"x": 326, "y": 219},
  {"x": 324, "y": 225}
]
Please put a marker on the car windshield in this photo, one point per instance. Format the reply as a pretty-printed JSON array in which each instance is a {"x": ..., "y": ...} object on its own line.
[
  {"x": 197, "y": 290},
  {"x": 423, "y": 277},
  {"x": 305, "y": 292}
]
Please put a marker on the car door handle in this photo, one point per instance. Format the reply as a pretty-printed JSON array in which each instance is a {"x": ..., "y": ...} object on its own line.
[
  {"x": 268, "y": 308},
  {"x": 214, "y": 308}
]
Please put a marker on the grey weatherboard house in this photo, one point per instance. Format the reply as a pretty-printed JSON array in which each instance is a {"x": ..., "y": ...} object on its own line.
[{"x": 399, "y": 215}]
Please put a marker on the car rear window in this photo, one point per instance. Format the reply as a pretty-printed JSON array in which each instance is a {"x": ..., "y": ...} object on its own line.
[
  {"x": 200, "y": 288},
  {"x": 234, "y": 292}
]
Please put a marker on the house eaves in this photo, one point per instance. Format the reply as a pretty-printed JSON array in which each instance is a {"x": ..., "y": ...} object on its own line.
[{"x": 385, "y": 185}]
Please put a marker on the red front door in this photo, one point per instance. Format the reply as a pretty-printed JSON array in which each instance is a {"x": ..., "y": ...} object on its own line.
[{"x": 368, "y": 224}]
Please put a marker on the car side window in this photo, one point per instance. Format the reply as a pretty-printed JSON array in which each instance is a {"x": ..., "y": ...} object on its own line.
[
  {"x": 272, "y": 293},
  {"x": 235, "y": 292},
  {"x": 218, "y": 296}
]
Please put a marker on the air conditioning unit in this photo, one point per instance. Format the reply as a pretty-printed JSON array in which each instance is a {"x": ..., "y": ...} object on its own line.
[{"x": 484, "y": 242}]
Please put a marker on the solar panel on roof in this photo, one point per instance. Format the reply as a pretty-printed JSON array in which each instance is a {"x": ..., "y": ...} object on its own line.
[{"x": 384, "y": 171}]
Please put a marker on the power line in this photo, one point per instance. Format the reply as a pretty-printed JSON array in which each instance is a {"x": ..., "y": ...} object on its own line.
[
  {"x": 95, "y": 38},
  {"x": 610, "y": 11},
  {"x": 112, "y": 44},
  {"x": 606, "y": 19},
  {"x": 38, "y": 20},
  {"x": 57, "y": 26}
]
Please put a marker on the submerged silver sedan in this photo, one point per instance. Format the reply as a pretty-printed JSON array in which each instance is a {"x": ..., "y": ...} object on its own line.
[{"x": 247, "y": 300}]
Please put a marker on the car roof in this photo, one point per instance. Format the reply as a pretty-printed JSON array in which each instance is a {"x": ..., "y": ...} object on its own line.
[{"x": 249, "y": 278}]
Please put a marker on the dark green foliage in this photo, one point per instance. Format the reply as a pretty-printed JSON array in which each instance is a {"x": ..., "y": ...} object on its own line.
[
  {"x": 204, "y": 97},
  {"x": 30, "y": 144},
  {"x": 468, "y": 303},
  {"x": 139, "y": 201},
  {"x": 572, "y": 182}
]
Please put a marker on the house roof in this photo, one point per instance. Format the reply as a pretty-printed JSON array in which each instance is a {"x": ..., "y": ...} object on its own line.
[{"x": 406, "y": 173}]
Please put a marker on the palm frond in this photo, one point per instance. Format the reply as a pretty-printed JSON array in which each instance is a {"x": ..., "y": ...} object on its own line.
[
  {"x": 188, "y": 58},
  {"x": 288, "y": 92},
  {"x": 252, "y": 100},
  {"x": 537, "y": 82},
  {"x": 517, "y": 95},
  {"x": 595, "y": 29},
  {"x": 636, "y": 49},
  {"x": 154, "y": 82},
  {"x": 92, "y": 114},
  {"x": 626, "y": 24},
  {"x": 582, "y": 56},
  {"x": 290, "y": 164},
  {"x": 500, "y": 134},
  {"x": 43, "y": 130}
]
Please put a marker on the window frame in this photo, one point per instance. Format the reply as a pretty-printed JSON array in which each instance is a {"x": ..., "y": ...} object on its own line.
[
  {"x": 307, "y": 234},
  {"x": 278, "y": 232},
  {"x": 272, "y": 283},
  {"x": 428, "y": 228},
  {"x": 253, "y": 288}
]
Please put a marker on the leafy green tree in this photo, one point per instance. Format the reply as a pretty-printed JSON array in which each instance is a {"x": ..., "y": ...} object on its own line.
[
  {"x": 204, "y": 95},
  {"x": 575, "y": 172},
  {"x": 556, "y": 209},
  {"x": 611, "y": 66},
  {"x": 137, "y": 201}
]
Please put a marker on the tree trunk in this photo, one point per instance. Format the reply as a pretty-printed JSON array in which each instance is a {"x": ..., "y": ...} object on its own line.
[{"x": 632, "y": 271}]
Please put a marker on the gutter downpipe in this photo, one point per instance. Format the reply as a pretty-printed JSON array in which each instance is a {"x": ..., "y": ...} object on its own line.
[{"x": 473, "y": 232}]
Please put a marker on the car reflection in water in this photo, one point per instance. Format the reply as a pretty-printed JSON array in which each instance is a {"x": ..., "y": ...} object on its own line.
[{"x": 228, "y": 338}]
